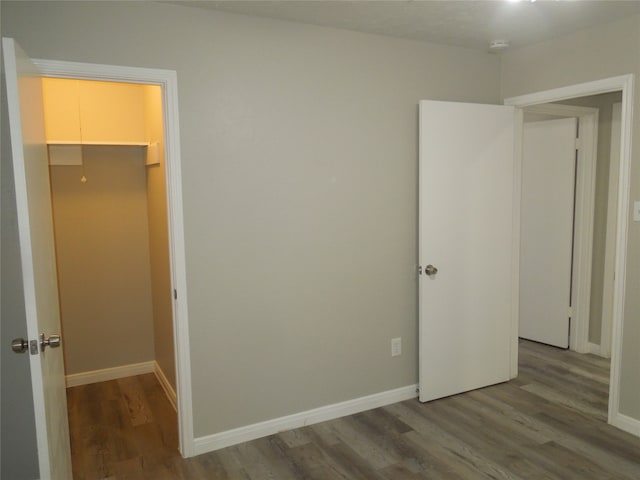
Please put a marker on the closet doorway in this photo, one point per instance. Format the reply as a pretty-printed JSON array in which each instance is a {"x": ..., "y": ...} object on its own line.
[
  {"x": 113, "y": 246},
  {"x": 106, "y": 155}
]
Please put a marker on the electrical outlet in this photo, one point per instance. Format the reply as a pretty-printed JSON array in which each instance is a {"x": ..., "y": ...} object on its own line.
[{"x": 396, "y": 346}]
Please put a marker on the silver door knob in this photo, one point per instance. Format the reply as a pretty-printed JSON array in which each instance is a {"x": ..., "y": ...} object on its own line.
[
  {"x": 53, "y": 341},
  {"x": 430, "y": 270},
  {"x": 19, "y": 345}
]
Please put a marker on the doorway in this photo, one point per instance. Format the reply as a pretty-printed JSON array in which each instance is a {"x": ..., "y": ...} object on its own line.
[
  {"x": 592, "y": 302},
  {"x": 622, "y": 84},
  {"x": 551, "y": 167},
  {"x": 110, "y": 224},
  {"x": 593, "y": 277},
  {"x": 598, "y": 338},
  {"x": 106, "y": 155},
  {"x": 167, "y": 81}
]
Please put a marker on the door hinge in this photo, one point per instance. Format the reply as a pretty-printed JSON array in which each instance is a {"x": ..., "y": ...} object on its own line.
[
  {"x": 175, "y": 294},
  {"x": 578, "y": 144},
  {"x": 570, "y": 312}
]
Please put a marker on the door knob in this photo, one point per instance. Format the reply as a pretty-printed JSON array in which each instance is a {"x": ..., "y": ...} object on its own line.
[
  {"x": 430, "y": 270},
  {"x": 19, "y": 345},
  {"x": 53, "y": 341}
]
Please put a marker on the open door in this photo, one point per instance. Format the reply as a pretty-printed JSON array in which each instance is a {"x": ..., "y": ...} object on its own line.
[
  {"x": 37, "y": 255},
  {"x": 466, "y": 247},
  {"x": 548, "y": 187}
]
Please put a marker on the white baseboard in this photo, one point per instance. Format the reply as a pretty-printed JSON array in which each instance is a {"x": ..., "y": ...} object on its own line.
[
  {"x": 95, "y": 376},
  {"x": 628, "y": 424},
  {"x": 166, "y": 386},
  {"x": 594, "y": 349},
  {"x": 220, "y": 440}
]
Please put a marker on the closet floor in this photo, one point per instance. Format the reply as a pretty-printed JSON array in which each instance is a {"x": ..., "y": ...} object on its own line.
[{"x": 123, "y": 428}]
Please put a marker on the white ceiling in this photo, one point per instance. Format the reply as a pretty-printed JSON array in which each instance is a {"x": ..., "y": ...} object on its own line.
[{"x": 469, "y": 24}]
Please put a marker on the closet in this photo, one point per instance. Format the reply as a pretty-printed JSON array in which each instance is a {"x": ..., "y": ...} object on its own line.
[{"x": 107, "y": 170}]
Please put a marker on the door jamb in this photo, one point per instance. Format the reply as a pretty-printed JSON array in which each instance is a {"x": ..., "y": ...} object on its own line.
[
  {"x": 609, "y": 260},
  {"x": 168, "y": 81},
  {"x": 584, "y": 213},
  {"x": 624, "y": 83}
]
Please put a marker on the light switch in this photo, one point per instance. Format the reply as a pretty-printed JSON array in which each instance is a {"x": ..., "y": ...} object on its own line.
[
  {"x": 396, "y": 346},
  {"x": 636, "y": 211}
]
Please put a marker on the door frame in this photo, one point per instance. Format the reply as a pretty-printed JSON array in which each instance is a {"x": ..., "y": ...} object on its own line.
[
  {"x": 625, "y": 84},
  {"x": 610, "y": 242},
  {"x": 168, "y": 81},
  {"x": 583, "y": 217}
]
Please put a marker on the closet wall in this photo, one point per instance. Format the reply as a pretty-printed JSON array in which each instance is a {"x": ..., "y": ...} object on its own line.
[
  {"x": 102, "y": 247},
  {"x": 114, "y": 297}
]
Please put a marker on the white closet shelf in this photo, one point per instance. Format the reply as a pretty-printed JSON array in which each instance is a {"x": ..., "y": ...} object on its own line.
[
  {"x": 69, "y": 152},
  {"x": 85, "y": 142}
]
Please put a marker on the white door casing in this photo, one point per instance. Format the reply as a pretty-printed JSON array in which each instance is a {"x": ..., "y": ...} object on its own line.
[
  {"x": 610, "y": 239},
  {"x": 547, "y": 206},
  {"x": 35, "y": 230},
  {"x": 467, "y": 211},
  {"x": 167, "y": 80}
]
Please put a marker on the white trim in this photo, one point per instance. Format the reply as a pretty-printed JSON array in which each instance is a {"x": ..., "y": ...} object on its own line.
[
  {"x": 167, "y": 79},
  {"x": 593, "y": 348},
  {"x": 628, "y": 424},
  {"x": 108, "y": 73},
  {"x": 166, "y": 386},
  {"x": 610, "y": 241},
  {"x": 625, "y": 84},
  {"x": 583, "y": 217},
  {"x": 113, "y": 373},
  {"x": 515, "y": 260},
  {"x": 559, "y": 110},
  {"x": 612, "y": 84},
  {"x": 626, "y": 127},
  {"x": 227, "y": 438},
  {"x": 583, "y": 230}
]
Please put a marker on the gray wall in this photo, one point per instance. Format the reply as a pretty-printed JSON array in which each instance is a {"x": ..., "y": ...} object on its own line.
[
  {"x": 299, "y": 164},
  {"x": 299, "y": 157},
  {"x": 18, "y": 447},
  {"x": 587, "y": 55}
]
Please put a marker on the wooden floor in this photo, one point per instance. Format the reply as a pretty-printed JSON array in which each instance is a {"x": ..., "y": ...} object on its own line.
[{"x": 549, "y": 423}]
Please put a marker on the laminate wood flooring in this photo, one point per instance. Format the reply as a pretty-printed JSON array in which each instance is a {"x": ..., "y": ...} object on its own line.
[{"x": 549, "y": 423}]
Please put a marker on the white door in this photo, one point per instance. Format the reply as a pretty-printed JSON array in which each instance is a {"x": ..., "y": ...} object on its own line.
[
  {"x": 466, "y": 232},
  {"x": 548, "y": 185},
  {"x": 35, "y": 229}
]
